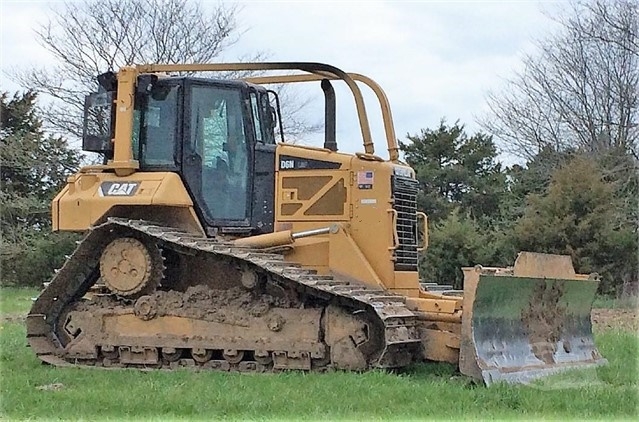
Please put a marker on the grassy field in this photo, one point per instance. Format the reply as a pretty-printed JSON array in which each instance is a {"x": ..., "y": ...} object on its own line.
[
  {"x": 426, "y": 391},
  {"x": 15, "y": 302},
  {"x": 608, "y": 302}
]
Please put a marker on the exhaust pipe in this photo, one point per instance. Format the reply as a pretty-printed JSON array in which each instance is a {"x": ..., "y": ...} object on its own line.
[{"x": 330, "y": 140}]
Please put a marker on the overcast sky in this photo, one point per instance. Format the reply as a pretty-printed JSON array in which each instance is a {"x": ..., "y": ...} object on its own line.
[{"x": 433, "y": 59}]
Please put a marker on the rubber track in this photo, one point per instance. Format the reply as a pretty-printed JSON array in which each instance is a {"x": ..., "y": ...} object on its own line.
[{"x": 80, "y": 272}]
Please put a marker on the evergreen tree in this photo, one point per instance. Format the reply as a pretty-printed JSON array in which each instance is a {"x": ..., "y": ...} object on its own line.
[
  {"x": 33, "y": 168},
  {"x": 462, "y": 189},
  {"x": 458, "y": 241},
  {"x": 580, "y": 215},
  {"x": 456, "y": 171}
]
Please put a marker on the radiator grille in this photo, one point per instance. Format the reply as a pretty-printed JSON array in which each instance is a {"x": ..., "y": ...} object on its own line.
[{"x": 404, "y": 192}]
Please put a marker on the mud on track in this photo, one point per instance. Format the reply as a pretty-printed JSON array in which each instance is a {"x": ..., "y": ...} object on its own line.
[{"x": 602, "y": 319}]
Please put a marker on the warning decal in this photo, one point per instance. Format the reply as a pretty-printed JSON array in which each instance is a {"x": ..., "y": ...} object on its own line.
[{"x": 365, "y": 179}]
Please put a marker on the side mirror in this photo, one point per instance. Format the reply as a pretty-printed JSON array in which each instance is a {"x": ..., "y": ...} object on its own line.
[{"x": 108, "y": 81}]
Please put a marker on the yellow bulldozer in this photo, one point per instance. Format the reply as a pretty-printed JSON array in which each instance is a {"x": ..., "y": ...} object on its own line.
[{"x": 212, "y": 243}]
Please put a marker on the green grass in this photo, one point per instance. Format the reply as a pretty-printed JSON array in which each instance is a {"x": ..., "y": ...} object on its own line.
[
  {"x": 15, "y": 300},
  {"x": 426, "y": 391},
  {"x": 608, "y": 302}
]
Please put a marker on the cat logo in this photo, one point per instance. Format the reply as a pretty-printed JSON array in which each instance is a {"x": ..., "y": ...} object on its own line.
[{"x": 118, "y": 189}]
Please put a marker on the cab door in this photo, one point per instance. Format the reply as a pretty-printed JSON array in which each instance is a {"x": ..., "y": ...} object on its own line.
[
  {"x": 217, "y": 161},
  {"x": 264, "y": 164}
]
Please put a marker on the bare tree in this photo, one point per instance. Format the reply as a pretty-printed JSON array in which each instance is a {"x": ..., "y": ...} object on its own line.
[
  {"x": 611, "y": 22},
  {"x": 89, "y": 38},
  {"x": 580, "y": 91}
]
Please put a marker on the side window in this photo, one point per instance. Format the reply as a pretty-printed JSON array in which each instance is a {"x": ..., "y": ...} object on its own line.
[
  {"x": 215, "y": 129},
  {"x": 98, "y": 128},
  {"x": 160, "y": 124},
  {"x": 135, "y": 138},
  {"x": 257, "y": 121},
  {"x": 155, "y": 127},
  {"x": 217, "y": 136},
  {"x": 269, "y": 118}
]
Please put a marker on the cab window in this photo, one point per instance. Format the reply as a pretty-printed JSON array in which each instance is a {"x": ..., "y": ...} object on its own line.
[
  {"x": 155, "y": 127},
  {"x": 218, "y": 137}
]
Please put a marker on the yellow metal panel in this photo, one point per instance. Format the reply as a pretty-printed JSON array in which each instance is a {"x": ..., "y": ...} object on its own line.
[
  {"x": 313, "y": 195},
  {"x": 372, "y": 222},
  {"x": 171, "y": 192},
  {"x": 55, "y": 208},
  {"x": 406, "y": 280},
  {"x": 406, "y": 292},
  {"x": 346, "y": 259},
  {"x": 123, "y": 162},
  {"x": 439, "y": 346},
  {"x": 434, "y": 305},
  {"x": 371, "y": 231},
  {"x": 312, "y": 251},
  {"x": 82, "y": 202},
  {"x": 530, "y": 264}
]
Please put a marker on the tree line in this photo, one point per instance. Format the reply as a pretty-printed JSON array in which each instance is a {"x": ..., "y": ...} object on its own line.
[
  {"x": 559, "y": 201},
  {"x": 570, "y": 119}
]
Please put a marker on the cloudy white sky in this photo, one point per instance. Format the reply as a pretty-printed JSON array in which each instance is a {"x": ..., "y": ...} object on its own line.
[{"x": 434, "y": 59}]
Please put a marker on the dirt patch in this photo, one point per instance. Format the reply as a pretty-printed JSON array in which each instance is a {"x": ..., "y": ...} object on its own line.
[
  {"x": 51, "y": 387},
  {"x": 543, "y": 320},
  {"x": 625, "y": 319},
  {"x": 13, "y": 317}
]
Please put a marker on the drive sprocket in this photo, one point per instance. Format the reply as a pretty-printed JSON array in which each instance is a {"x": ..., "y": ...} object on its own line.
[{"x": 130, "y": 268}]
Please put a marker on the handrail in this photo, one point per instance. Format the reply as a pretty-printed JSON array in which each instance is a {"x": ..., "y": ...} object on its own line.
[
  {"x": 424, "y": 245},
  {"x": 394, "y": 235},
  {"x": 389, "y": 128},
  {"x": 310, "y": 67}
]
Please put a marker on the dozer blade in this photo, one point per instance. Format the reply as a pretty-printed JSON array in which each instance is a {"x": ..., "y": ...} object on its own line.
[{"x": 527, "y": 322}]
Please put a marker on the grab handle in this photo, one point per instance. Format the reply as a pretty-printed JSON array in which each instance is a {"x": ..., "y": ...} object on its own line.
[
  {"x": 395, "y": 241},
  {"x": 424, "y": 219}
]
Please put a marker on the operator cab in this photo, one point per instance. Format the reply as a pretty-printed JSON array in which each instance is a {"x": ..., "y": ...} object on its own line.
[{"x": 217, "y": 134}]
